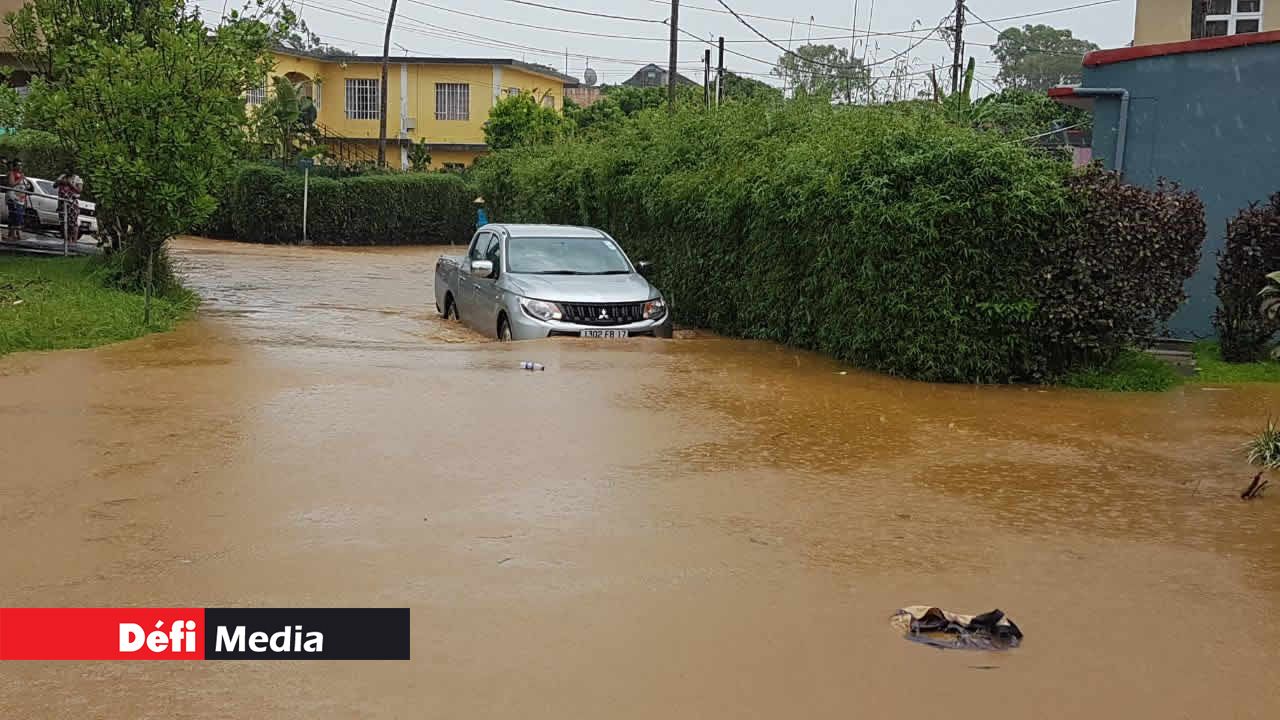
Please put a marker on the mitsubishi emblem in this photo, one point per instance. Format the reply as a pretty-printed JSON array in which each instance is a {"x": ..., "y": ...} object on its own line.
[{"x": 604, "y": 314}]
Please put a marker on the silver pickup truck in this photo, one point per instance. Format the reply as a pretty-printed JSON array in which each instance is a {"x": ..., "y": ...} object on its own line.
[{"x": 522, "y": 282}]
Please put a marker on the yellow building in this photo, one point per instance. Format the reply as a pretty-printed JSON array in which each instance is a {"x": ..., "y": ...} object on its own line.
[
  {"x": 444, "y": 101},
  {"x": 1166, "y": 21}
]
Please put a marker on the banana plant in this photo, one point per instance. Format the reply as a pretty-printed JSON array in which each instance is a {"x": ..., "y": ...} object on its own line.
[
  {"x": 1271, "y": 297},
  {"x": 958, "y": 106}
]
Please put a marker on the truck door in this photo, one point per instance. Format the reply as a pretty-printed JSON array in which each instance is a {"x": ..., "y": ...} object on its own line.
[
  {"x": 467, "y": 282},
  {"x": 487, "y": 298}
]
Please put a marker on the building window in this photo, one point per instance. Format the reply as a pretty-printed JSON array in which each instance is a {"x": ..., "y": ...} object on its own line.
[
  {"x": 453, "y": 101},
  {"x": 256, "y": 95},
  {"x": 512, "y": 92},
  {"x": 363, "y": 100},
  {"x": 1232, "y": 17},
  {"x": 549, "y": 101}
]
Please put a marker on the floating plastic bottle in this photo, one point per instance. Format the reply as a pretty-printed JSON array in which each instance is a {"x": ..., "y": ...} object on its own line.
[{"x": 532, "y": 366}]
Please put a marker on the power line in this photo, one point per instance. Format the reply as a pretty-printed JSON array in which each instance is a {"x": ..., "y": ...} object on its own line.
[
  {"x": 433, "y": 31},
  {"x": 536, "y": 27},
  {"x": 810, "y": 61},
  {"x": 850, "y": 29},
  {"x": 584, "y": 12},
  {"x": 1028, "y": 49},
  {"x": 1058, "y": 10}
]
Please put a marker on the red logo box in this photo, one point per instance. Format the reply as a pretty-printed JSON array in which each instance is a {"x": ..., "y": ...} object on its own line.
[{"x": 101, "y": 633}]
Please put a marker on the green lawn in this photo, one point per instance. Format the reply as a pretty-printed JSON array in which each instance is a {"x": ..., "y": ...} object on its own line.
[
  {"x": 1138, "y": 372},
  {"x": 1132, "y": 371},
  {"x": 1214, "y": 370},
  {"x": 57, "y": 303}
]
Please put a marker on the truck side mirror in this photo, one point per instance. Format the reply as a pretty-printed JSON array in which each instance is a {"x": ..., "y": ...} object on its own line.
[
  {"x": 643, "y": 267},
  {"x": 482, "y": 268}
]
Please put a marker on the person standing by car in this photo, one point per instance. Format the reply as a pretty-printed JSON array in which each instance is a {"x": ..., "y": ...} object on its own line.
[
  {"x": 70, "y": 185},
  {"x": 16, "y": 199}
]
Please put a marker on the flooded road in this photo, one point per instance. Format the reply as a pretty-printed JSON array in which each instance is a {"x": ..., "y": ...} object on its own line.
[{"x": 700, "y": 527}]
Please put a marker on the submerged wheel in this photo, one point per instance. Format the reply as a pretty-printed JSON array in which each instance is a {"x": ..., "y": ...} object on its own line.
[
  {"x": 504, "y": 329},
  {"x": 450, "y": 309}
]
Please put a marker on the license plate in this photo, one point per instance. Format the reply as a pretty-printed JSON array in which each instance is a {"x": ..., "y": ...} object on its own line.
[{"x": 605, "y": 334}]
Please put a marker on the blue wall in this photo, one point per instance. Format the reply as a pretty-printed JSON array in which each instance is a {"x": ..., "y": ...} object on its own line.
[{"x": 1211, "y": 122}]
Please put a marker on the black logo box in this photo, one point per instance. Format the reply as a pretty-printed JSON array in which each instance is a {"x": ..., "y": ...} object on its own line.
[{"x": 348, "y": 633}]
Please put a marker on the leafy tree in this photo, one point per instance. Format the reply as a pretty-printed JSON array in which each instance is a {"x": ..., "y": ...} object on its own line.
[
  {"x": 420, "y": 156},
  {"x": 737, "y": 87},
  {"x": 521, "y": 120},
  {"x": 1038, "y": 57},
  {"x": 1024, "y": 113},
  {"x": 631, "y": 100},
  {"x": 823, "y": 71},
  {"x": 150, "y": 100}
]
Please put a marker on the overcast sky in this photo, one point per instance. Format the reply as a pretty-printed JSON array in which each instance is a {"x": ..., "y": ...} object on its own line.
[{"x": 427, "y": 27}]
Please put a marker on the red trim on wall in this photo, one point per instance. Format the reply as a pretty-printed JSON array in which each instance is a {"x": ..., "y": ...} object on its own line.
[
  {"x": 1108, "y": 57},
  {"x": 1062, "y": 91}
]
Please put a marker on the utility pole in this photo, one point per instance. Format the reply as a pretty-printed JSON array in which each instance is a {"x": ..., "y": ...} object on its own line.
[
  {"x": 675, "y": 47},
  {"x": 382, "y": 89},
  {"x": 958, "y": 29},
  {"x": 720, "y": 74},
  {"x": 706, "y": 78}
]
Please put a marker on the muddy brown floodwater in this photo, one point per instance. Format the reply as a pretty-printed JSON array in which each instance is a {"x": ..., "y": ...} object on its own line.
[{"x": 701, "y": 527}]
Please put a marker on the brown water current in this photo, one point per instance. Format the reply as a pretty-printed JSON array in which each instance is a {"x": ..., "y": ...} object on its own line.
[{"x": 700, "y": 527}]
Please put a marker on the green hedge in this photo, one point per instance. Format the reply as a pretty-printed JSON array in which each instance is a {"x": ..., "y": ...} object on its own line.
[
  {"x": 889, "y": 239},
  {"x": 264, "y": 204},
  {"x": 41, "y": 153}
]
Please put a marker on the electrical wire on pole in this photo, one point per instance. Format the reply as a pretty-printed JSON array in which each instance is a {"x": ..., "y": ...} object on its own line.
[
  {"x": 382, "y": 89},
  {"x": 720, "y": 74},
  {"x": 958, "y": 40},
  {"x": 675, "y": 53}
]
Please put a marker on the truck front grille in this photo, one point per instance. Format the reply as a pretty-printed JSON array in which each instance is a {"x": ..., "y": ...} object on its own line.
[{"x": 610, "y": 314}]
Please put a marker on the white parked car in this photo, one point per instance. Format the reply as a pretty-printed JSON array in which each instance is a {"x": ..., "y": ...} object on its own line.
[{"x": 43, "y": 210}]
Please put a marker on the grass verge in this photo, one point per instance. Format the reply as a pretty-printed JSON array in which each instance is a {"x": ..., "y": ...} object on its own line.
[
  {"x": 59, "y": 303},
  {"x": 1213, "y": 369},
  {"x": 1131, "y": 371}
]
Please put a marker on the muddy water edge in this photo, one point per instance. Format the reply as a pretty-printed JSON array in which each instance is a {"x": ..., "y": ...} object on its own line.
[{"x": 701, "y": 527}]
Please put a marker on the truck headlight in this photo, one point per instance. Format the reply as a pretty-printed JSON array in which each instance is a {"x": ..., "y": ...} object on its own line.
[
  {"x": 655, "y": 309},
  {"x": 541, "y": 309}
]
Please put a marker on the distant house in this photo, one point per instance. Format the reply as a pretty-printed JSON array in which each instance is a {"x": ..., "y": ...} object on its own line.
[
  {"x": 1203, "y": 113},
  {"x": 653, "y": 76},
  {"x": 443, "y": 101},
  {"x": 1166, "y": 21}
]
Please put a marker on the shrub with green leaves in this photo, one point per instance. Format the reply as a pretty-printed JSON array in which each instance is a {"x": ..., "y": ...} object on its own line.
[
  {"x": 1252, "y": 251},
  {"x": 890, "y": 239},
  {"x": 1264, "y": 450},
  {"x": 264, "y": 204},
  {"x": 1116, "y": 271}
]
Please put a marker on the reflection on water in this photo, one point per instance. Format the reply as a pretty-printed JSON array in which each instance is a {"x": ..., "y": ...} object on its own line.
[{"x": 695, "y": 527}]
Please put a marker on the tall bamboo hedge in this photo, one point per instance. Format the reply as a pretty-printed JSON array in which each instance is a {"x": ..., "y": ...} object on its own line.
[
  {"x": 892, "y": 240},
  {"x": 264, "y": 204}
]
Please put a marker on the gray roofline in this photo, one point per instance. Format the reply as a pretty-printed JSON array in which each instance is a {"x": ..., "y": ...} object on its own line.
[{"x": 421, "y": 60}]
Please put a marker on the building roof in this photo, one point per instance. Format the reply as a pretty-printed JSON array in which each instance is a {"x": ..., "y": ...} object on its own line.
[
  {"x": 636, "y": 79},
  {"x": 536, "y": 69},
  {"x": 1098, "y": 58}
]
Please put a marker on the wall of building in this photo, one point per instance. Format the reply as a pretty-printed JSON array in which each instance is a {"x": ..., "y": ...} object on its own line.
[
  {"x": 1165, "y": 21},
  {"x": 411, "y": 98},
  {"x": 1207, "y": 120}
]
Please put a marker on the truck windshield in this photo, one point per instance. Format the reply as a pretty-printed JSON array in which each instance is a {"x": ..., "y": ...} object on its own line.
[{"x": 565, "y": 256}]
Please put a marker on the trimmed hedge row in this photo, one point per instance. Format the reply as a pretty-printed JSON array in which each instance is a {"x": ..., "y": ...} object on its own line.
[
  {"x": 264, "y": 204},
  {"x": 888, "y": 239}
]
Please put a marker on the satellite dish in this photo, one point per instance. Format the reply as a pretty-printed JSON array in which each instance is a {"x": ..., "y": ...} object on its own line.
[{"x": 589, "y": 76}]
